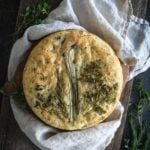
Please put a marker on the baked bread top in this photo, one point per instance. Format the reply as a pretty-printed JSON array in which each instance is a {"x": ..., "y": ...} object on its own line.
[{"x": 72, "y": 80}]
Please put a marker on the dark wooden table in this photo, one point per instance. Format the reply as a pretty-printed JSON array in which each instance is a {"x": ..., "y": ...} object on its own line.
[{"x": 12, "y": 138}]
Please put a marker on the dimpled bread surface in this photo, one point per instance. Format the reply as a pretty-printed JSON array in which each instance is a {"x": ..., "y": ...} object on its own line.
[{"x": 72, "y": 80}]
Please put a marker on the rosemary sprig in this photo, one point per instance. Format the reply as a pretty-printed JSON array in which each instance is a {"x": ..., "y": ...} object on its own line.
[
  {"x": 143, "y": 93},
  {"x": 31, "y": 16},
  {"x": 71, "y": 73},
  {"x": 134, "y": 142},
  {"x": 140, "y": 139}
]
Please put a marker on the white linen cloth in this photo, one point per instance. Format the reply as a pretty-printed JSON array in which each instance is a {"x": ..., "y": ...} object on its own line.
[{"x": 113, "y": 21}]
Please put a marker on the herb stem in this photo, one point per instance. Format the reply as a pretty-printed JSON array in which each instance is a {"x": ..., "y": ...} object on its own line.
[
  {"x": 134, "y": 132},
  {"x": 140, "y": 139}
]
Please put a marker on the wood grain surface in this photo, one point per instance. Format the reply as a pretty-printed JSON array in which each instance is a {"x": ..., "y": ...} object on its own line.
[{"x": 12, "y": 138}]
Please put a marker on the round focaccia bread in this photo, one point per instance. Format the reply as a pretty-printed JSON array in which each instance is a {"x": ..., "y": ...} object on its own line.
[{"x": 72, "y": 80}]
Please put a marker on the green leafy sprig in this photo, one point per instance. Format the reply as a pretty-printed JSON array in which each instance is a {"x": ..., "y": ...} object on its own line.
[
  {"x": 140, "y": 139},
  {"x": 32, "y": 15}
]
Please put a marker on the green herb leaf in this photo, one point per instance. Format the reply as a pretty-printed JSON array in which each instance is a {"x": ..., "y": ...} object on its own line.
[
  {"x": 32, "y": 15},
  {"x": 137, "y": 124}
]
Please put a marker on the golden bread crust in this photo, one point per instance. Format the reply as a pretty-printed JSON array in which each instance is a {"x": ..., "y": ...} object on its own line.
[{"x": 72, "y": 80}]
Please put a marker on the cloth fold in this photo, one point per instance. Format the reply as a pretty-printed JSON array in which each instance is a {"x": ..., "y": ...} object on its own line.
[
  {"x": 113, "y": 21},
  {"x": 49, "y": 138}
]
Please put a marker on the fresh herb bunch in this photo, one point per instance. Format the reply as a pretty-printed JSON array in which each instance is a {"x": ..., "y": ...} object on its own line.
[
  {"x": 140, "y": 139},
  {"x": 32, "y": 15}
]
